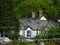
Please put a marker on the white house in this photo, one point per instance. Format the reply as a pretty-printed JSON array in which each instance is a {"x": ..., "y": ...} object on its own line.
[{"x": 30, "y": 27}]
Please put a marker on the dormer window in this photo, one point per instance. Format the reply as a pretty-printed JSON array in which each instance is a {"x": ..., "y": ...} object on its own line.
[{"x": 28, "y": 33}]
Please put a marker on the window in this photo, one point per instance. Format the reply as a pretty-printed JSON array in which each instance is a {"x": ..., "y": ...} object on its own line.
[{"x": 28, "y": 33}]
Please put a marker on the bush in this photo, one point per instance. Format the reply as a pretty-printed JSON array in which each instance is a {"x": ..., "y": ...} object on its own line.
[{"x": 17, "y": 42}]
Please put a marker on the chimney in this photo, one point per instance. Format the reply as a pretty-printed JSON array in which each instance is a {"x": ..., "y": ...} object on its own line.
[
  {"x": 33, "y": 14},
  {"x": 40, "y": 13}
]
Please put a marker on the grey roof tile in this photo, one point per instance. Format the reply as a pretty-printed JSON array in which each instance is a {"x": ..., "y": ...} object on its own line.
[{"x": 33, "y": 23}]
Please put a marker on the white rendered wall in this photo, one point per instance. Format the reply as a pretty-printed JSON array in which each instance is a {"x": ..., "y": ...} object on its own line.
[{"x": 33, "y": 33}]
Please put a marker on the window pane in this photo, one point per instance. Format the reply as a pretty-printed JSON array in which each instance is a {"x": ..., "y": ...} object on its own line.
[{"x": 28, "y": 33}]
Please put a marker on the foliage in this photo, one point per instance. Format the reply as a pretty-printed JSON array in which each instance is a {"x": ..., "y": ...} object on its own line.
[
  {"x": 57, "y": 4},
  {"x": 54, "y": 32},
  {"x": 44, "y": 31},
  {"x": 8, "y": 20},
  {"x": 50, "y": 8},
  {"x": 38, "y": 37},
  {"x": 17, "y": 42},
  {"x": 50, "y": 32}
]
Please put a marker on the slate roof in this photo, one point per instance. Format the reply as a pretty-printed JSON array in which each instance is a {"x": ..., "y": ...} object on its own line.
[{"x": 34, "y": 23}]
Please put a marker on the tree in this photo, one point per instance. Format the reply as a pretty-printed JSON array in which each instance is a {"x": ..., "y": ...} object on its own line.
[
  {"x": 54, "y": 32},
  {"x": 57, "y": 5},
  {"x": 8, "y": 20},
  {"x": 24, "y": 7}
]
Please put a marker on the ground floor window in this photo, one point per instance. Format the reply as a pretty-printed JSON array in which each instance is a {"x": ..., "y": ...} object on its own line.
[{"x": 28, "y": 33}]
